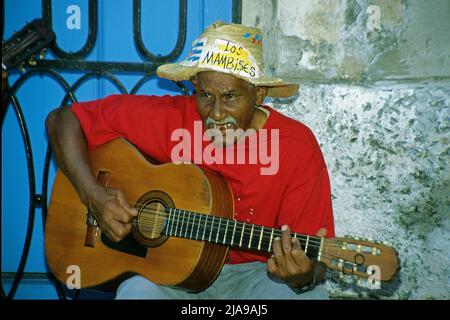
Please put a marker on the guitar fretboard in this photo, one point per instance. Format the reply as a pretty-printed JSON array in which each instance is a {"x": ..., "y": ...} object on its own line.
[{"x": 236, "y": 234}]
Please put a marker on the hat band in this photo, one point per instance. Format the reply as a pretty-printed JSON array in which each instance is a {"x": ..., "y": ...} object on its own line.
[{"x": 223, "y": 56}]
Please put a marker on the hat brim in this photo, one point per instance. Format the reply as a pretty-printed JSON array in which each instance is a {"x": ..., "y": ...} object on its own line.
[{"x": 277, "y": 87}]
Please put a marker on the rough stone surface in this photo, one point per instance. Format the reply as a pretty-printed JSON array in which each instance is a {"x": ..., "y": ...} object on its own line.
[
  {"x": 375, "y": 90},
  {"x": 387, "y": 151},
  {"x": 353, "y": 40}
]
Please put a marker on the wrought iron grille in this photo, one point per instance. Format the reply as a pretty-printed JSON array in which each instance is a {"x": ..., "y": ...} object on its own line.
[{"x": 91, "y": 69}]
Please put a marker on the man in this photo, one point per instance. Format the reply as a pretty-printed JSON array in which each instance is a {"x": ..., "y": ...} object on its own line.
[{"x": 293, "y": 193}]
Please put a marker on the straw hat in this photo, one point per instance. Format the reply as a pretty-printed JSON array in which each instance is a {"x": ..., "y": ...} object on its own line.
[{"x": 233, "y": 49}]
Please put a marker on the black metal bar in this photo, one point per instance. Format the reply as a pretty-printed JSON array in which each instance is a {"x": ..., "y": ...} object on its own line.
[
  {"x": 100, "y": 69},
  {"x": 31, "y": 175},
  {"x": 80, "y": 65},
  {"x": 237, "y": 11},
  {"x": 32, "y": 192},
  {"x": 138, "y": 34},
  {"x": 3, "y": 18},
  {"x": 92, "y": 33}
]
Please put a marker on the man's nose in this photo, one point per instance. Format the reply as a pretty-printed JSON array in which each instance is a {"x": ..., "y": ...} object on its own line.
[{"x": 217, "y": 111}]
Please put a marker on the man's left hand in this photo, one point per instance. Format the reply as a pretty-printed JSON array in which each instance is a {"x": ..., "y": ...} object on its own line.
[{"x": 289, "y": 262}]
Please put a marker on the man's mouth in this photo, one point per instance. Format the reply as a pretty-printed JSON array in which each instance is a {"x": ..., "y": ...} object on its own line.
[{"x": 221, "y": 126}]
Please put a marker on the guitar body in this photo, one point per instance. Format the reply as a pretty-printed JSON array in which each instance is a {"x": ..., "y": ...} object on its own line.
[{"x": 171, "y": 261}]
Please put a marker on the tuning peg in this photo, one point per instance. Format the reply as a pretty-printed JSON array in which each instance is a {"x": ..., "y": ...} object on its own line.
[
  {"x": 42, "y": 54},
  {"x": 32, "y": 61}
]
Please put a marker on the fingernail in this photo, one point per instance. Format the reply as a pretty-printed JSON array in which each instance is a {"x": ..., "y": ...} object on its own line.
[{"x": 284, "y": 228}]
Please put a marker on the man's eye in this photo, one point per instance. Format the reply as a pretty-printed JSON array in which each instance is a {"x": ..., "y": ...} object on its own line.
[
  {"x": 229, "y": 96},
  {"x": 205, "y": 95}
]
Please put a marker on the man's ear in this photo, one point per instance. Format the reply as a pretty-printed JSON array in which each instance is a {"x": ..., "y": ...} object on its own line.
[
  {"x": 193, "y": 79},
  {"x": 261, "y": 93}
]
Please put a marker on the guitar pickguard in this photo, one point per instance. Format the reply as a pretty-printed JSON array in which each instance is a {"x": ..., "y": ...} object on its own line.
[{"x": 127, "y": 245}]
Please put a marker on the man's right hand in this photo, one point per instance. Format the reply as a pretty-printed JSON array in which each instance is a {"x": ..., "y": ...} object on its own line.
[{"x": 111, "y": 210}]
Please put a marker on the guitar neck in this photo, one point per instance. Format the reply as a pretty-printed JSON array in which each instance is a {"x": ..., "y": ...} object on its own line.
[{"x": 232, "y": 233}]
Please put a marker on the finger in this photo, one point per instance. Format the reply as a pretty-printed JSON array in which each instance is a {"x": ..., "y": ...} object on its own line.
[
  {"x": 322, "y": 232},
  {"x": 298, "y": 255},
  {"x": 118, "y": 230},
  {"x": 286, "y": 239},
  {"x": 114, "y": 211},
  {"x": 122, "y": 201},
  {"x": 278, "y": 253},
  {"x": 117, "y": 209},
  {"x": 272, "y": 266}
]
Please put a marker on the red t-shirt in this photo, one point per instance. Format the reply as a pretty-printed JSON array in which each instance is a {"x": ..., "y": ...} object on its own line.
[{"x": 295, "y": 190}]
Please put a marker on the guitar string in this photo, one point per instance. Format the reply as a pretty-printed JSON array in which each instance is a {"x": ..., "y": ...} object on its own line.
[
  {"x": 323, "y": 252},
  {"x": 185, "y": 224},
  {"x": 153, "y": 223},
  {"x": 205, "y": 226},
  {"x": 153, "y": 212},
  {"x": 327, "y": 243},
  {"x": 313, "y": 241}
]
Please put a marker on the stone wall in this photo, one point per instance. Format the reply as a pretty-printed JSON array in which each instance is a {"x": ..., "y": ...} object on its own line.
[{"x": 375, "y": 90}]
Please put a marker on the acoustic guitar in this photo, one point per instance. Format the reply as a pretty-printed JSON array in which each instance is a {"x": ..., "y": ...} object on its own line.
[{"x": 183, "y": 230}]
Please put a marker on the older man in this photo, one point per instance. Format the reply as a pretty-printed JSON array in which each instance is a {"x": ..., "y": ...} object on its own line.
[{"x": 290, "y": 190}]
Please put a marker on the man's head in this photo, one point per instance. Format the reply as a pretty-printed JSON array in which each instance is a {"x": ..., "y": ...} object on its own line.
[
  {"x": 225, "y": 65},
  {"x": 226, "y": 102}
]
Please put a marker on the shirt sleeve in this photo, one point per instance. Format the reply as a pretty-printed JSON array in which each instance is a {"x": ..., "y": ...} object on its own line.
[
  {"x": 145, "y": 121},
  {"x": 306, "y": 202}
]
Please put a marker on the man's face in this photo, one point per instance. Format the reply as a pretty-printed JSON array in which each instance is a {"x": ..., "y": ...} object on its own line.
[{"x": 226, "y": 102}]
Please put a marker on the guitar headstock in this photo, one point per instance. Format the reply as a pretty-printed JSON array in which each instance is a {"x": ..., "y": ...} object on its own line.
[
  {"x": 25, "y": 43},
  {"x": 362, "y": 258}
]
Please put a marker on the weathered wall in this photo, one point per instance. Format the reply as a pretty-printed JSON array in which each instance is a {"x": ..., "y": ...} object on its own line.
[{"x": 375, "y": 89}]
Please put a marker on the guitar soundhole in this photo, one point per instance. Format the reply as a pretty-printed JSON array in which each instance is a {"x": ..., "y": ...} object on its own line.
[
  {"x": 148, "y": 227},
  {"x": 152, "y": 220}
]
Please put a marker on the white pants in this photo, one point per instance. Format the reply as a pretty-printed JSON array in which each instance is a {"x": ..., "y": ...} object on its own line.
[{"x": 235, "y": 281}]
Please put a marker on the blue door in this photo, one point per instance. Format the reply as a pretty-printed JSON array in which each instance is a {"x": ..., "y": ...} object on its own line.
[{"x": 102, "y": 47}]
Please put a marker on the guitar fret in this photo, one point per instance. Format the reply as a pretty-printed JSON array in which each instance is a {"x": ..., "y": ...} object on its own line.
[
  {"x": 210, "y": 231},
  {"x": 320, "y": 249},
  {"x": 198, "y": 226},
  {"x": 306, "y": 246},
  {"x": 204, "y": 228},
  {"x": 242, "y": 235},
  {"x": 226, "y": 229},
  {"x": 182, "y": 223},
  {"x": 192, "y": 224},
  {"x": 186, "y": 221},
  {"x": 251, "y": 236},
  {"x": 260, "y": 237},
  {"x": 218, "y": 230},
  {"x": 271, "y": 239},
  {"x": 178, "y": 219},
  {"x": 234, "y": 230}
]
